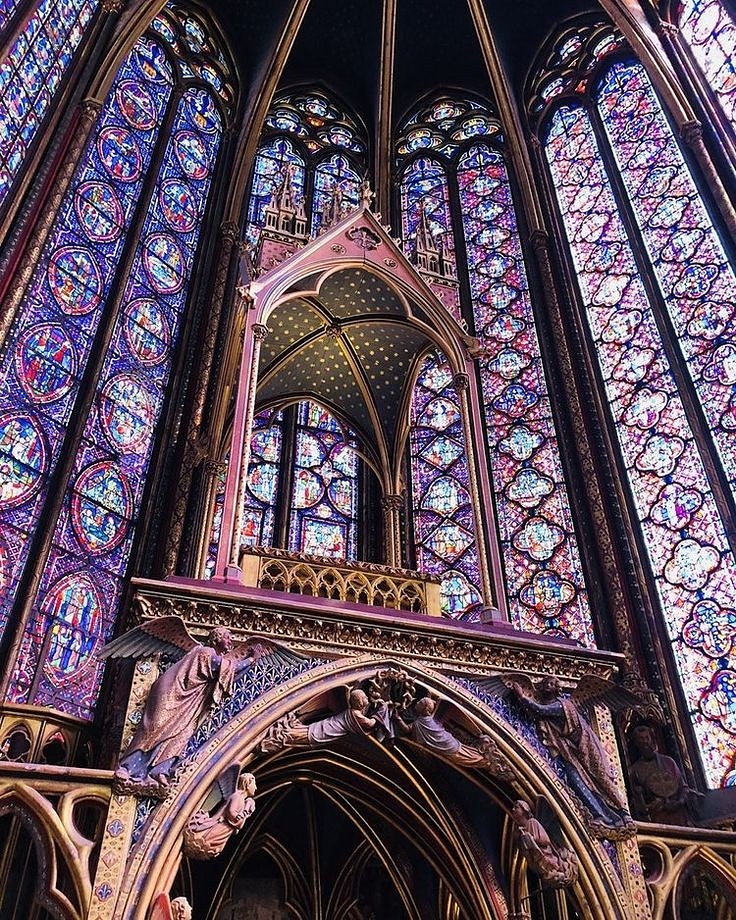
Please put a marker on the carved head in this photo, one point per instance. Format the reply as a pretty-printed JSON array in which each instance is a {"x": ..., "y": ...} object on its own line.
[
  {"x": 247, "y": 783},
  {"x": 643, "y": 740},
  {"x": 549, "y": 687},
  {"x": 220, "y": 639},
  {"x": 426, "y": 706},
  {"x": 357, "y": 700},
  {"x": 181, "y": 909},
  {"x": 521, "y": 812}
]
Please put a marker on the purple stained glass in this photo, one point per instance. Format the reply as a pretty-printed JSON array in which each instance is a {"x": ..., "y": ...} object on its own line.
[
  {"x": 51, "y": 337},
  {"x": 710, "y": 31},
  {"x": 691, "y": 267},
  {"x": 332, "y": 174},
  {"x": 95, "y": 529},
  {"x": 544, "y": 576},
  {"x": 31, "y": 73},
  {"x": 444, "y": 520},
  {"x": 684, "y": 535},
  {"x": 424, "y": 183},
  {"x": 272, "y": 162},
  {"x": 324, "y": 499}
]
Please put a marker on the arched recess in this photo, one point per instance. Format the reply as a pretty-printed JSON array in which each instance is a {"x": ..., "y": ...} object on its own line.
[
  {"x": 154, "y": 860},
  {"x": 63, "y": 854}
]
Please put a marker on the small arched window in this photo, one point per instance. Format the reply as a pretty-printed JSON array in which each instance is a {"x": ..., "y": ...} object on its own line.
[{"x": 658, "y": 290}]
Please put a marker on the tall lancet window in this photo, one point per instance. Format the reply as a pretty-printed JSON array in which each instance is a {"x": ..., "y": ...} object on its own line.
[
  {"x": 456, "y": 185},
  {"x": 321, "y": 147},
  {"x": 40, "y": 41},
  {"x": 77, "y": 443},
  {"x": 658, "y": 293},
  {"x": 442, "y": 510},
  {"x": 709, "y": 29}
]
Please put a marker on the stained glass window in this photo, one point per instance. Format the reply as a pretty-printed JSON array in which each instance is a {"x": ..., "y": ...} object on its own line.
[
  {"x": 75, "y": 606},
  {"x": 443, "y": 516},
  {"x": 263, "y": 479},
  {"x": 690, "y": 265},
  {"x": 31, "y": 73},
  {"x": 691, "y": 560},
  {"x": 544, "y": 576},
  {"x": 323, "y": 148},
  {"x": 465, "y": 163},
  {"x": 424, "y": 187},
  {"x": 710, "y": 31},
  {"x": 324, "y": 499}
]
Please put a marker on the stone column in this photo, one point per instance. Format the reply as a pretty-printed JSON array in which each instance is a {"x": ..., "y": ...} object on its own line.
[{"x": 392, "y": 506}]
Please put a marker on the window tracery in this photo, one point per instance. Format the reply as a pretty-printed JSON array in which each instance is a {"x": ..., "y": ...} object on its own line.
[
  {"x": 609, "y": 147},
  {"x": 67, "y": 310},
  {"x": 464, "y": 140},
  {"x": 323, "y": 148}
]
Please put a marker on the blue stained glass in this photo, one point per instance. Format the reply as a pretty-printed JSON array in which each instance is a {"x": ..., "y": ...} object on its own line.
[
  {"x": 103, "y": 500},
  {"x": 443, "y": 516},
  {"x": 335, "y": 173},
  {"x": 424, "y": 183},
  {"x": 263, "y": 475},
  {"x": 272, "y": 162},
  {"x": 31, "y": 74},
  {"x": 50, "y": 339}
]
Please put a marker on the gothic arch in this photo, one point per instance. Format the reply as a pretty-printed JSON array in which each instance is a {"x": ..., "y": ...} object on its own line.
[{"x": 156, "y": 856}]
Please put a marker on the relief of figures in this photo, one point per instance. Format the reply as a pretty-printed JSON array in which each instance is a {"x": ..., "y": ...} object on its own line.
[
  {"x": 564, "y": 729},
  {"x": 224, "y": 812},
  {"x": 201, "y": 676},
  {"x": 555, "y": 864}
]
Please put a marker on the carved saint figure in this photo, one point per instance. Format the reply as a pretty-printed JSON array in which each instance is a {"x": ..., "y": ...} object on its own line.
[
  {"x": 208, "y": 831},
  {"x": 555, "y": 864},
  {"x": 427, "y": 731},
  {"x": 200, "y": 678},
  {"x": 291, "y": 732},
  {"x": 574, "y": 746},
  {"x": 659, "y": 791}
]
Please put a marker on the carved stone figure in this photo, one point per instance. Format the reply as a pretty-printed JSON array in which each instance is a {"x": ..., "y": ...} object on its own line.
[
  {"x": 291, "y": 732},
  {"x": 200, "y": 677},
  {"x": 165, "y": 909},
  {"x": 555, "y": 864},
  {"x": 181, "y": 909},
  {"x": 658, "y": 790},
  {"x": 574, "y": 746},
  {"x": 224, "y": 812},
  {"x": 428, "y": 731}
]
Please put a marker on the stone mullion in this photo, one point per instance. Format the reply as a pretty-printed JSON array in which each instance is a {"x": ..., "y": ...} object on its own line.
[{"x": 195, "y": 447}]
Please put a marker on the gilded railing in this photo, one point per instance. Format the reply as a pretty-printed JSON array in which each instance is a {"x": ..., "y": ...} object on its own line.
[{"x": 352, "y": 582}]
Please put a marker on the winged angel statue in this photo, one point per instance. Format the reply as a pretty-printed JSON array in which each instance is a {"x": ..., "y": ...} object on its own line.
[
  {"x": 201, "y": 676},
  {"x": 564, "y": 729}
]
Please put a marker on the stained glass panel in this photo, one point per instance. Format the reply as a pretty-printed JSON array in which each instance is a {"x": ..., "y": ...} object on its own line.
[
  {"x": 31, "y": 73},
  {"x": 47, "y": 348},
  {"x": 335, "y": 173},
  {"x": 424, "y": 184},
  {"x": 263, "y": 478},
  {"x": 710, "y": 31},
  {"x": 95, "y": 530},
  {"x": 544, "y": 577},
  {"x": 324, "y": 499},
  {"x": 443, "y": 517},
  {"x": 693, "y": 566},
  {"x": 272, "y": 162},
  {"x": 694, "y": 275}
]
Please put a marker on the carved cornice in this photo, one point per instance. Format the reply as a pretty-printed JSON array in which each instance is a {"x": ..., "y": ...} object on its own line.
[
  {"x": 369, "y": 567},
  {"x": 329, "y": 632}
]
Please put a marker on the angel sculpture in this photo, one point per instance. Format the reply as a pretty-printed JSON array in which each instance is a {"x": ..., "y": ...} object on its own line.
[
  {"x": 224, "y": 812},
  {"x": 573, "y": 745},
  {"x": 426, "y": 730},
  {"x": 292, "y": 732},
  {"x": 200, "y": 678},
  {"x": 551, "y": 860}
]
